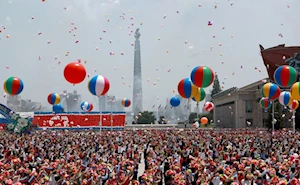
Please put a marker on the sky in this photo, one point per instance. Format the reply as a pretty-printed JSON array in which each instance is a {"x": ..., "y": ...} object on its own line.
[{"x": 175, "y": 38}]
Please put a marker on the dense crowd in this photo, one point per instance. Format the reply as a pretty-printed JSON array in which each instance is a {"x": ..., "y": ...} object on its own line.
[{"x": 150, "y": 157}]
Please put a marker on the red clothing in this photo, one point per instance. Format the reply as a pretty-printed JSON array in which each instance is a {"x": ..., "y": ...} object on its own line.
[{"x": 181, "y": 161}]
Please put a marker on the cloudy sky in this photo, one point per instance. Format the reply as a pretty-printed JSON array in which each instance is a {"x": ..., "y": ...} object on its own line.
[{"x": 175, "y": 38}]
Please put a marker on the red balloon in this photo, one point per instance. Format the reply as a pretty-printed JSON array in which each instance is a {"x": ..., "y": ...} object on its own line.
[{"x": 74, "y": 73}]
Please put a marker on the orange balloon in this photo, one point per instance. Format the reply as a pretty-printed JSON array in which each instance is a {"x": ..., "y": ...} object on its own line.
[
  {"x": 204, "y": 120},
  {"x": 75, "y": 73}
]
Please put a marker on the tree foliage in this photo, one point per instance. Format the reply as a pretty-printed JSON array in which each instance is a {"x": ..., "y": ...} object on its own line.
[
  {"x": 278, "y": 110},
  {"x": 146, "y": 118},
  {"x": 216, "y": 86},
  {"x": 193, "y": 117}
]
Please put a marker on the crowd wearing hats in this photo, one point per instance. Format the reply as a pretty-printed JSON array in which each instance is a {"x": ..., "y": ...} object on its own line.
[{"x": 151, "y": 157}]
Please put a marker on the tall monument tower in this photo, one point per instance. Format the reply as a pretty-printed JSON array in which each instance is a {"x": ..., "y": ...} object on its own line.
[{"x": 137, "y": 76}]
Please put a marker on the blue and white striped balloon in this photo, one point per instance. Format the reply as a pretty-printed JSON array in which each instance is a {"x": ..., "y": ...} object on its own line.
[
  {"x": 98, "y": 85},
  {"x": 86, "y": 106},
  {"x": 285, "y": 98}
]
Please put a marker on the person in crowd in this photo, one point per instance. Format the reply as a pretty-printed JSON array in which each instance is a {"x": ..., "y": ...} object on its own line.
[{"x": 151, "y": 157}]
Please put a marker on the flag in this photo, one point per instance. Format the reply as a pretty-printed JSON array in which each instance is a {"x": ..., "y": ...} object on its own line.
[
  {"x": 159, "y": 107},
  {"x": 153, "y": 106}
]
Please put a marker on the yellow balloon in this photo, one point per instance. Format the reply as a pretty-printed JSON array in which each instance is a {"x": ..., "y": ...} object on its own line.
[
  {"x": 200, "y": 95},
  {"x": 295, "y": 91}
]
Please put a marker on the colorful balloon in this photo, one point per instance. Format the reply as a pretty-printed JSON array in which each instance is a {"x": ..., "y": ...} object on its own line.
[
  {"x": 208, "y": 106},
  {"x": 295, "y": 91},
  {"x": 202, "y": 76},
  {"x": 294, "y": 105},
  {"x": 196, "y": 125},
  {"x": 270, "y": 91},
  {"x": 91, "y": 107},
  {"x": 99, "y": 85},
  {"x": 13, "y": 86},
  {"x": 174, "y": 101},
  {"x": 285, "y": 76},
  {"x": 204, "y": 120},
  {"x": 265, "y": 103},
  {"x": 54, "y": 98},
  {"x": 75, "y": 73},
  {"x": 187, "y": 89},
  {"x": 126, "y": 102},
  {"x": 200, "y": 95},
  {"x": 58, "y": 108},
  {"x": 86, "y": 106},
  {"x": 285, "y": 98}
]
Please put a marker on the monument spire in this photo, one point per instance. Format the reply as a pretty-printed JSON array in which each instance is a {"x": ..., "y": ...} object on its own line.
[{"x": 137, "y": 77}]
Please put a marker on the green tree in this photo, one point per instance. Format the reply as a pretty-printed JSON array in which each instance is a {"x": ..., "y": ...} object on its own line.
[
  {"x": 215, "y": 90},
  {"x": 146, "y": 118},
  {"x": 162, "y": 120},
  {"x": 192, "y": 117},
  {"x": 216, "y": 86},
  {"x": 278, "y": 116},
  {"x": 278, "y": 110}
]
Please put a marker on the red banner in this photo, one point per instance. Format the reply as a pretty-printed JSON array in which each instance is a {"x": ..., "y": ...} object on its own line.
[{"x": 79, "y": 120}]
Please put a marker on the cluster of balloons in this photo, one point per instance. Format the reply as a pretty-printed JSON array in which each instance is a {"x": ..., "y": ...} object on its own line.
[
  {"x": 75, "y": 73},
  {"x": 284, "y": 76},
  {"x": 193, "y": 87}
]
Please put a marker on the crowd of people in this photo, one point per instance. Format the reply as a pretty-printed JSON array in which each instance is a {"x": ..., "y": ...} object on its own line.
[{"x": 151, "y": 157}]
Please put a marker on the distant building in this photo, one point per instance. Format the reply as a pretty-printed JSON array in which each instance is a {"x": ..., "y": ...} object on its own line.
[
  {"x": 118, "y": 106},
  {"x": 63, "y": 100},
  {"x": 71, "y": 101},
  {"x": 17, "y": 104},
  {"x": 14, "y": 102},
  {"x": 103, "y": 103},
  {"x": 29, "y": 106},
  {"x": 109, "y": 103},
  {"x": 235, "y": 108}
]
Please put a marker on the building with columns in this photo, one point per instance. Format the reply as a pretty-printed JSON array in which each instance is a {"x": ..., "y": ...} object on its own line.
[{"x": 237, "y": 107}]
